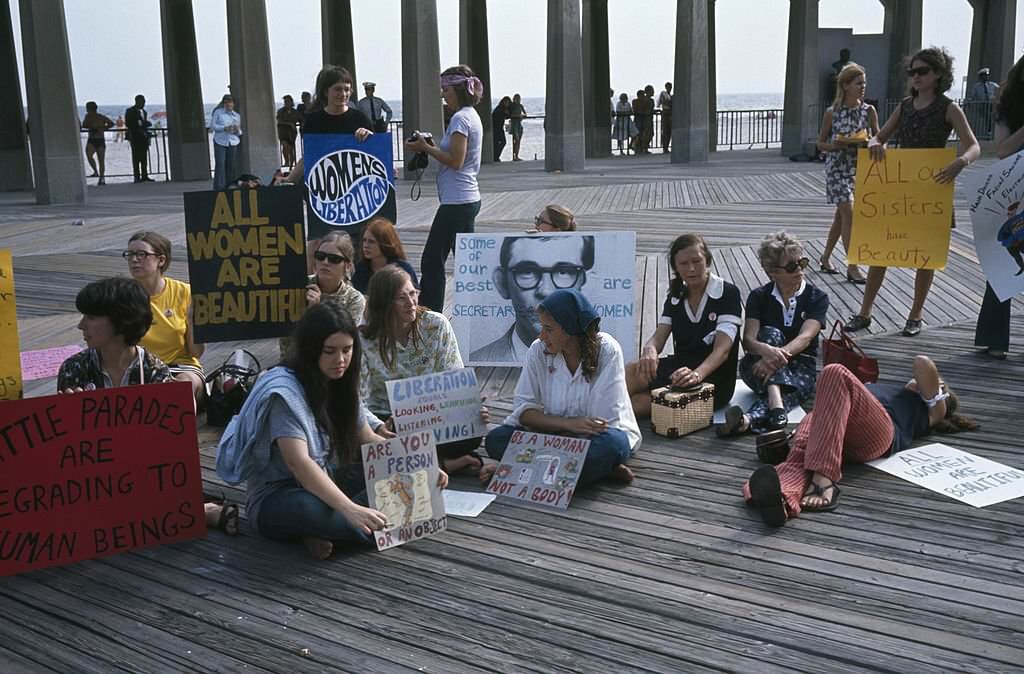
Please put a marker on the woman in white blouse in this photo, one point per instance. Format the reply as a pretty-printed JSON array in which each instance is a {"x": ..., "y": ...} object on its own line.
[{"x": 573, "y": 383}]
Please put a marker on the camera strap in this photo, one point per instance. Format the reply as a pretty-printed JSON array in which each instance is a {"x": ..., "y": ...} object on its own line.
[{"x": 417, "y": 189}]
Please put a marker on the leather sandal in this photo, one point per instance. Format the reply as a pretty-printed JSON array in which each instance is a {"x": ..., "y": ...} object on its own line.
[
  {"x": 814, "y": 489},
  {"x": 777, "y": 418},
  {"x": 766, "y": 496}
]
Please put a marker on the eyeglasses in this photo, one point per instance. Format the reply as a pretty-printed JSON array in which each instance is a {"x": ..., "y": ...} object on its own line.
[
  {"x": 137, "y": 254},
  {"x": 529, "y": 275},
  {"x": 793, "y": 265},
  {"x": 920, "y": 71},
  {"x": 539, "y": 220},
  {"x": 320, "y": 256}
]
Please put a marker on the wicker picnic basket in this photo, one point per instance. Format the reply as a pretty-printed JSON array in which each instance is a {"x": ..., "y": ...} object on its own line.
[{"x": 677, "y": 412}]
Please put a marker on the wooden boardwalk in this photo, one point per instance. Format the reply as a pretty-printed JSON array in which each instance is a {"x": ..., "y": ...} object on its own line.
[{"x": 670, "y": 574}]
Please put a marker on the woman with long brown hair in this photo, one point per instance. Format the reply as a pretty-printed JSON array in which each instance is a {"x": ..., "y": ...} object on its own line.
[{"x": 380, "y": 247}]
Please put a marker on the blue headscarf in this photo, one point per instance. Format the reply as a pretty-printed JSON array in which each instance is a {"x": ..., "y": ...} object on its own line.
[{"x": 571, "y": 310}]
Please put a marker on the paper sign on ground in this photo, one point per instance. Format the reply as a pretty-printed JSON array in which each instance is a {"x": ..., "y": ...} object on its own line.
[
  {"x": 744, "y": 398},
  {"x": 10, "y": 365},
  {"x": 466, "y": 503},
  {"x": 447, "y": 403},
  {"x": 901, "y": 216},
  {"x": 995, "y": 198},
  {"x": 44, "y": 363},
  {"x": 401, "y": 482},
  {"x": 98, "y": 473},
  {"x": 972, "y": 479},
  {"x": 540, "y": 468}
]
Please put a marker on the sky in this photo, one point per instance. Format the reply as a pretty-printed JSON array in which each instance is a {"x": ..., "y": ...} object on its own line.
[{"x": 111, "y": 65}]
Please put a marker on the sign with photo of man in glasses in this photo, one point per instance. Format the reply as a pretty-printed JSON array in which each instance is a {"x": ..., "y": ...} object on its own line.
[{"x": 501, "y": 278}]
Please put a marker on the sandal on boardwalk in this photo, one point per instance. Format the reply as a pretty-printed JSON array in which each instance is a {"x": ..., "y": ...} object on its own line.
[
  {"x": 733, "y": 422},
  {"x": 777, "y": 418},
  {"x": 913, "y": 327},
  {"x": 857, "y": 322},
  {"x": 766, "y": 496},
  {"x": 826, "y": 268},
  {"x": 815, "y": 489},
  {"x": 228, "y": 519}
]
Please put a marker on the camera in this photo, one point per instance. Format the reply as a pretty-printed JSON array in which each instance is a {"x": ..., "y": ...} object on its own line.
[{"x": 418, "y": 161}]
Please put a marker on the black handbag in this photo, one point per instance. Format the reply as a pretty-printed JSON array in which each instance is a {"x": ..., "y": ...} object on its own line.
[
  {"x": 229, "y": 386},
  {"x": 773, "y": 447}
]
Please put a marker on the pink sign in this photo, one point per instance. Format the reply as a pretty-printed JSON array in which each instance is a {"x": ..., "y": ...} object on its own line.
[{"x": 45, "y": 362}]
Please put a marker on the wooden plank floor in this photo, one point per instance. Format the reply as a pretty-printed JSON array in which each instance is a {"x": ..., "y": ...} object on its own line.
[{"x": 670, "y": 574}]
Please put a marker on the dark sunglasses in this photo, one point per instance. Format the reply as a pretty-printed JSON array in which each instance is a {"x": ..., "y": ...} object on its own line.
[
  {"x": 320, "y": 256},
  {"x": 793, "y": 265},
  {"x": 921, "y": 71}
]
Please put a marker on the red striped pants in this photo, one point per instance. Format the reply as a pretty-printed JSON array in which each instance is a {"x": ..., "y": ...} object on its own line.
[{"x": 848, "y": 423}]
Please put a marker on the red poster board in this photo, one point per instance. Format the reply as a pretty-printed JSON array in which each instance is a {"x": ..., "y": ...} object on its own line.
[{"x": 98, "y": 473}]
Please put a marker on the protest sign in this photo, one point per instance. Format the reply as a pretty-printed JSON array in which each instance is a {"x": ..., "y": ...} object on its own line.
[
  {"x": 401, "y": 482},
  {"x": 994, "y": 197},
  {"x": 972, "y": 479},
  {"x": 44, "y": 363},
  {"x": 539, "y": 468},
  {"x": 501, "y": 278},
  {"x": 246, "y": 262},
  {"x": 94, "y": 474},
  {"x": 901, "y": 216},
  {"x": 447, "y": 403},
  {"x": 10, "y": 365},
  {"x": 348, "y": 182}
]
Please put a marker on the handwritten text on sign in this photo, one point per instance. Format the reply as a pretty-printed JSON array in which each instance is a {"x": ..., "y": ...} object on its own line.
[
  {"x": 94, "y": 474},
  {"x": 401, "y": 482},
  {"x": 448, "y": 403},
  {"x": 972, "y": 479},
  {"x": 995, "y": 199},
  {"x": 10, "y": 364},
  {"x": 540, "y": 468},
  {"x": 901, "y": 216}
]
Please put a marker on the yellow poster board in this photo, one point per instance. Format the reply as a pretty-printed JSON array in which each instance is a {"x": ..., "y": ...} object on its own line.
[
  {"x": 901, "y": 216},
  {"x": 10, "y": 354}
]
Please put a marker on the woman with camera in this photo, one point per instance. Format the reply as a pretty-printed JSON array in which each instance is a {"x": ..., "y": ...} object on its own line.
[{"x": 459, "y": 156}]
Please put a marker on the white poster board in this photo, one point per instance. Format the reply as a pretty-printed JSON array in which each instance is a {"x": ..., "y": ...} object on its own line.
[
  {"x": 996, "y": 200},
  {"x": 448, "y": 403},
  {"x": 972, "y": 479},
  {"x": 540, "y": 468},
  {"x": 501, "y": 278}
]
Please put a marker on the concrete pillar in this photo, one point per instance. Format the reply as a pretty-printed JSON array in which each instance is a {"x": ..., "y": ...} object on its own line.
[
  {"x": 57, "y": 148},
  {"x": 338, "y": 45},
  {"x": 421, "y": 70},
  {"x": 992, "y": 36},
  {"x": 690, "y": 104},
  {"x": 17, "y": 170},
  {"x": 563, "y": 135},
  {"x": 597, "y": 111},
  {"x": 188, "y": 147},
  {"x": 252, "y": 85},
  {"x": 799, "y": 116},
  {"x": 712, "y": 81},
  {"x": 475, "y": 53},
  {"x": 903, "y": 21}
]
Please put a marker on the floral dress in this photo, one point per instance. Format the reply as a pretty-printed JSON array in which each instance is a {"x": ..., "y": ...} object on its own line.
[{"x": 841, "y": 164}]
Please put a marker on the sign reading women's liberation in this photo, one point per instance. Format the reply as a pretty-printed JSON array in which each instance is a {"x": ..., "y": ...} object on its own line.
[
  {"x": 10, "y": 363},
  {"x": 541, "y": 469},
  {"x": 246, "y": 262},
  {"x": 401, "y": 482},
  {"x": 501, "y": 278},
  {"x": 447, "y": 403},
  {"x": 97, "y": 473},
  {"x": 348, "y": 182},
  {"x": 901, "y": 216},
  {"x": 995, "y": 198}
]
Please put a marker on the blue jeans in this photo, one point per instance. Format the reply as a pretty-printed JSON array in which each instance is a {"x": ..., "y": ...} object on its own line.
[
  {"x": 450, "y": 219},
  {"x": 607, "y": 450},
  {"x": 993, "y": 329},
  {"x": 225, "y": 159},
  {"x": 292, "y": 512}
]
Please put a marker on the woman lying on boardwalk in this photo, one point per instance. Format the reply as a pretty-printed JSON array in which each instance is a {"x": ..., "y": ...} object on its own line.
[
  {"x": 573, "y": 383},
  {"x": 855, "y": 422}
]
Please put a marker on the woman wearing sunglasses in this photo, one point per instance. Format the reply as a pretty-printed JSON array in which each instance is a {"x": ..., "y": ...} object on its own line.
[
  {"x": 380, "y": 247},
  {"x": 780, "y": 337},
  {"x": 332, "y": 266},
  {"x": 923, "y": 119}
]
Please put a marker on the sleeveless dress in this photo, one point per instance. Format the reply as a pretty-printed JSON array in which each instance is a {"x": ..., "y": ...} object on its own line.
[
  {"x": 925, "y": 128},
  {"x": 841, "y": 165}
]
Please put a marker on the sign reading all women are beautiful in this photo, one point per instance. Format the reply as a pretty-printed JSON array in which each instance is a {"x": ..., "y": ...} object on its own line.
[
  {"x": 501, "y": 278},
  {"x": 996, "y": 197},
  {"x": 901, "y": 216},
  {"x": 540, "y": 468},
  {"x": 447, "y": 403}
]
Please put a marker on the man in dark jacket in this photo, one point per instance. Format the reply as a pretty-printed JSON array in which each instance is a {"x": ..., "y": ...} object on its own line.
[{"x": 137, "y": 123}]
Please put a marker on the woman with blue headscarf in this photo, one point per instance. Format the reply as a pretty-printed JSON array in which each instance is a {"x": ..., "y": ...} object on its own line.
[{"x": 573, "y": 383}]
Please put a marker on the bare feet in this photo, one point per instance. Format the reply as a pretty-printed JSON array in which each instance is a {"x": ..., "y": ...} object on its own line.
[
  {"x": 622, "y": 473},
  {"x": 487, "y": 472},
  {"x": 469, "y": 464},
  {"x": 318, "y": 547},
  {"x": 223, "y": 517}
]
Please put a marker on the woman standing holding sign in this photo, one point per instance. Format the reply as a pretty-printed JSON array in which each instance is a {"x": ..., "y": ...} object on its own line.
[{"x": 924, "y": 119}]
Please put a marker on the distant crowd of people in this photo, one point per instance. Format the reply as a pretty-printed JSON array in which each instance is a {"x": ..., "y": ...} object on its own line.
[{"x": 633, "y": 122}]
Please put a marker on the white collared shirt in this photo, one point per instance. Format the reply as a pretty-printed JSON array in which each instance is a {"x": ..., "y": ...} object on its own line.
[{"x": 788, "y": 306}]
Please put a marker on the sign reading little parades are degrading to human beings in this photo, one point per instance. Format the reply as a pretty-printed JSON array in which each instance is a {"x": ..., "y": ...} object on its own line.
[
  {"x": 975, "y": 480},
  {"x": 901, "y": 216},
  {"x": 540, "y": 468},
  {"x": 447, "y": 403},
  {"x": 995, "y": 197},
  {"x": 94, "y": 474},
  {"x": 10, "y": 360},
  {"x": 401, "y": 482},
  {"x": 246, "y": 262}
]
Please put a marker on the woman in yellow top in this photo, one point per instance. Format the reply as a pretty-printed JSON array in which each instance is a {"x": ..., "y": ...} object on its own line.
[{"x": 171, "y": 337}]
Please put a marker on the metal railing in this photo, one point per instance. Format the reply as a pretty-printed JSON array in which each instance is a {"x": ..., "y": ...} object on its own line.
[
  {"x": 118, "y": 153},
  {"x": 978, "y": 113}
]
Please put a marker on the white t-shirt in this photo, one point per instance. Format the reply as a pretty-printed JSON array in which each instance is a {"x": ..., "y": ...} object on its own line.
[{"x": 460, "y": 186}]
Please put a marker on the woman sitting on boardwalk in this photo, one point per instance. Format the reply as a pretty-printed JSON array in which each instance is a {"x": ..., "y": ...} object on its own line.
[
  {"x": 780, "y": 337},
  {"x": 402, "y": 339},
  {"x": 702, "y": 314},
  {"x": 855, "y": 422},
  {"x": 381, "y": 247},
  {"x": 573, "y": 383}
]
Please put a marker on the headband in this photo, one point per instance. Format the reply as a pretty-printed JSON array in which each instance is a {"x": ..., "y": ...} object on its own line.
[
  {"x": 571, "y": 310},
  {"x": 473, "y": 84}
]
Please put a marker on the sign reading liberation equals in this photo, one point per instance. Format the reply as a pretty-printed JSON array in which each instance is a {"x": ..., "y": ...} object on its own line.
[{"x": 246, "y": 262}]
